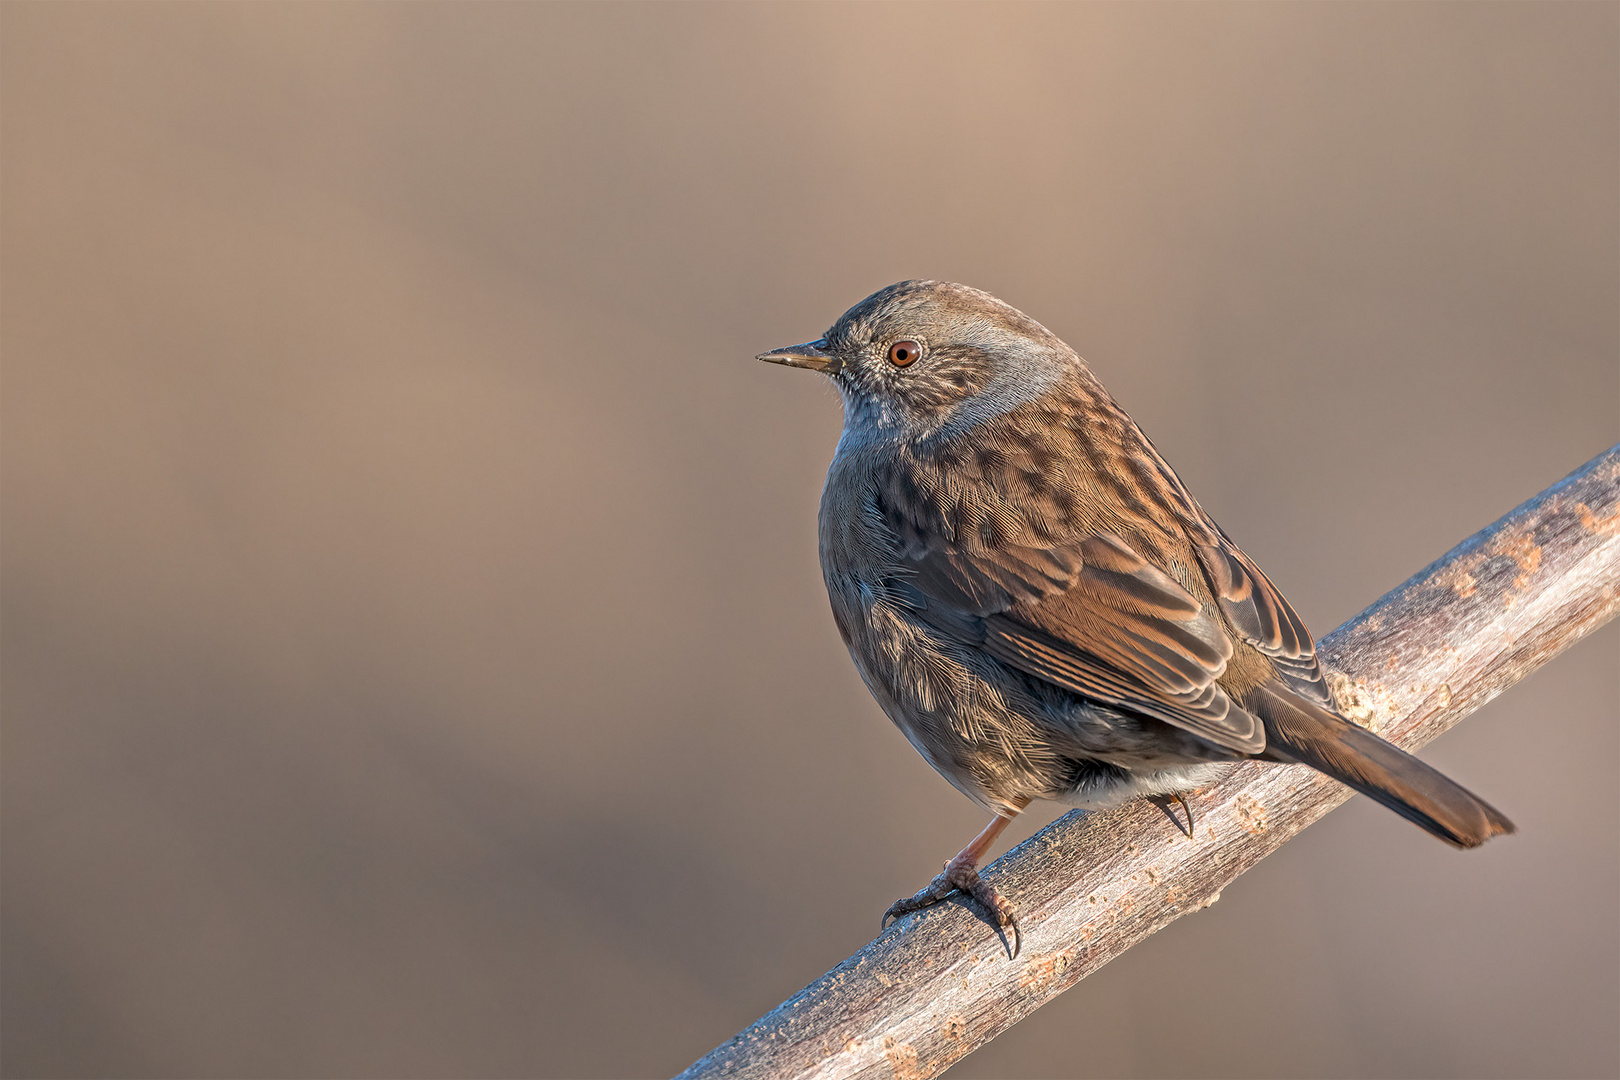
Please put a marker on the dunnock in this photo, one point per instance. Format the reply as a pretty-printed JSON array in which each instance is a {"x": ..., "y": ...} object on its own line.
[{"x": 1037, "y": 601}]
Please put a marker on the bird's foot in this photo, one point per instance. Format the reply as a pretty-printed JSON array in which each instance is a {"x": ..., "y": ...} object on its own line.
[{"x": 964, "y": 876}]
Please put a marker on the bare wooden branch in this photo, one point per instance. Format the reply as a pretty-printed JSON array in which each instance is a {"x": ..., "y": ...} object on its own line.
[{"x": 938, "y": 984}]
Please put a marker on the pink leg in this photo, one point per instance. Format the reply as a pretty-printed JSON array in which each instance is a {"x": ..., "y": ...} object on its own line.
[{"x": 962, "y": 872}]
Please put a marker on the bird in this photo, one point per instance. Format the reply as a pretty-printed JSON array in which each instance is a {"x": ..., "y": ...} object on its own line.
[{"x": 1038, "y": 603}]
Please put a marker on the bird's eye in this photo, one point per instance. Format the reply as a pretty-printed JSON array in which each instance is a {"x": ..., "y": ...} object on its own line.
[{"x": 904, "y": 353}]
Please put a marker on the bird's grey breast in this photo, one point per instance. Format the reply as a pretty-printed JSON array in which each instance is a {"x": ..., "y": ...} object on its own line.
[
  {"x": 927, "y": 686},
  {"x": 857, "y": 550}
]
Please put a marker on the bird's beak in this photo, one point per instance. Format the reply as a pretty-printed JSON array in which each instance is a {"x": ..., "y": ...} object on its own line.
[{"x": 812, "y": 355}]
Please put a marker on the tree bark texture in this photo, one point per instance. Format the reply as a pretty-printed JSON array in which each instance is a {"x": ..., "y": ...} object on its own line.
[{"x": 938, "y": 984}]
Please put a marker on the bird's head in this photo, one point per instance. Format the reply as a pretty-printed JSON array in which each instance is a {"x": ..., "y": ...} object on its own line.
[{"x": 923, "y": 357}]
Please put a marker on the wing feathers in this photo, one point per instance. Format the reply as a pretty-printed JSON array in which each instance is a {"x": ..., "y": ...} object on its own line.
[
  {"x": 983, "y": 585},
  {"x": 1257, "y": 611},
  {"x": 1094, "y": 617},
  {"x": 1205, "y": 711}
]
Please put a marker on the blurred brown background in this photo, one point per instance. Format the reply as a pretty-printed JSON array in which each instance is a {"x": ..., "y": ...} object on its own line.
[{"x": 416, "y": 660}]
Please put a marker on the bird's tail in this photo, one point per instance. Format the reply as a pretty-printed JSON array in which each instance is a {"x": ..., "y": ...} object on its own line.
[{"x": 1301, "y": 731}]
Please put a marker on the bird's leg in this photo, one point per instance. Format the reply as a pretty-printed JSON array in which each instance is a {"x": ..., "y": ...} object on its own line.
[{"x": 962, "y": 872}]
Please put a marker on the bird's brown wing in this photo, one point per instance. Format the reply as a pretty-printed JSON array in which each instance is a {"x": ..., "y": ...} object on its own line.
[
  {"x": 1262, "y": 617},
  {"x": 1093, "y": 616}
]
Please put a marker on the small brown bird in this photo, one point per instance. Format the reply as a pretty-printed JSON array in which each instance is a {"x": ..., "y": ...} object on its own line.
[{"x": 1037, "y": 601}]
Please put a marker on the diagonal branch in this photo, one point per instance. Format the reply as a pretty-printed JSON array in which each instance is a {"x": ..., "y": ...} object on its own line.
[{"x": 937, "y": 985}]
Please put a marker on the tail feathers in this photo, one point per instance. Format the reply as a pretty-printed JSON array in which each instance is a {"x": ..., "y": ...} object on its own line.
[{"x": 1300, "y": 731}]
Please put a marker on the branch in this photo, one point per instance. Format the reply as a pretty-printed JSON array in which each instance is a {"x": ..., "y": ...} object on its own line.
[{"x": 938, "y": 984}]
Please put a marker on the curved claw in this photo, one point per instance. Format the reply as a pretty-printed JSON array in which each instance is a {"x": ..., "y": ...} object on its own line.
[
  {"x": 1163, "y": 802},
  {"x": 966, "y": 879},
  {"x": 998, "y": 907},
  {"x": 1187, "y": 807},
  {"x": 931, "y": 894}
]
